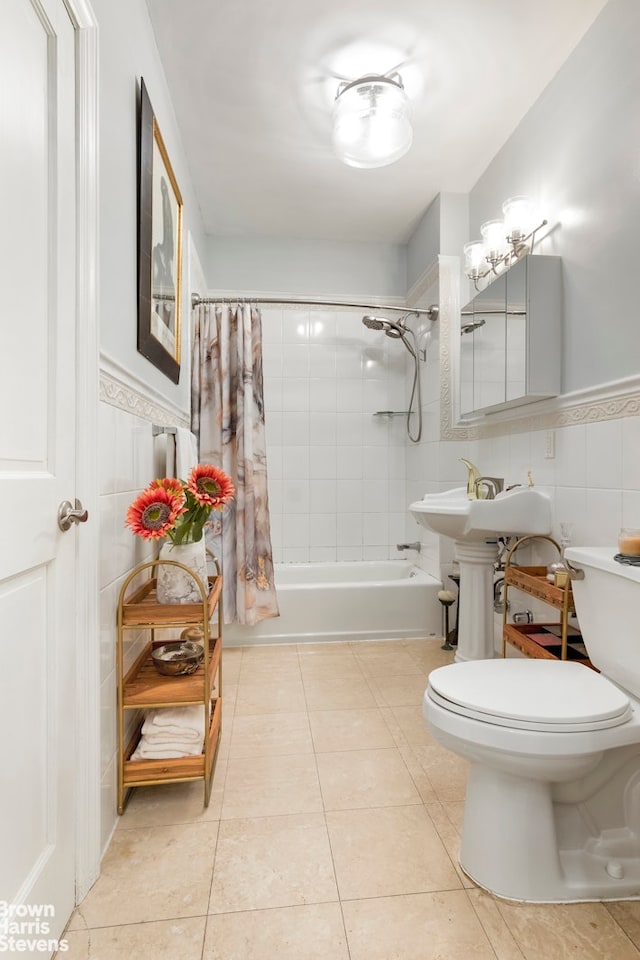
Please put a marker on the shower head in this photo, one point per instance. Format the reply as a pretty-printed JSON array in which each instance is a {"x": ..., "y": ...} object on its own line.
[
  {"x": 374, "y": 323},
  {"x": 396, "y": 331},
  {"x": 391, "y": 329}
]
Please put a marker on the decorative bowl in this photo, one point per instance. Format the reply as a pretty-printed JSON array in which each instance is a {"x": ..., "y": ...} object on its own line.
[{"x": 177, "y": 659}]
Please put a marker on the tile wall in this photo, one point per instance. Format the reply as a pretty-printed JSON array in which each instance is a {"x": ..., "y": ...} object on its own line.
[
  {"x": 126, "y": 466},
  {"x": 593, "y": 481},
  {"x": 594, "y": 478},
  {"x": 336, "y": 472}
]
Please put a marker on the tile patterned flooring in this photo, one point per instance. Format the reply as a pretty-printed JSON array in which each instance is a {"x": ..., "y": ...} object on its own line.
[{"x": 331, "y": 834}]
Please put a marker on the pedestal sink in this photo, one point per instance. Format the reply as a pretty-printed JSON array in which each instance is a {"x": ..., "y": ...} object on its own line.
[{"x": 475, "y": 525}]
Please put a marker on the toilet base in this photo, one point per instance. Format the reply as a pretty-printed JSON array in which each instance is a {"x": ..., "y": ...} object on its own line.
[{"x": 512, "y": 839}]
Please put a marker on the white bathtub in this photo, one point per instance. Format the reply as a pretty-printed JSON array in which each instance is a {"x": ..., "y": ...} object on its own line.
[{"x": 360, "y": 600}]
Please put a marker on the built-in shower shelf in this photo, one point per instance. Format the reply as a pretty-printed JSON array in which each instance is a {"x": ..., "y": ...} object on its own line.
[{"x": 390, "y": 413}]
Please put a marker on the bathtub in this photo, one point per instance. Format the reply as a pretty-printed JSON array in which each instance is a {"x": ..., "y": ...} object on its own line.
[{"x": 360, "y": 600}]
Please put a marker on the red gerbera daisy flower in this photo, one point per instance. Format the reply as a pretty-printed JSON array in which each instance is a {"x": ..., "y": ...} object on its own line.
[
  {"x": 210, "y": 486},
  {"x": 174, "y": 487},
  {"x": 153, "y": 514}
]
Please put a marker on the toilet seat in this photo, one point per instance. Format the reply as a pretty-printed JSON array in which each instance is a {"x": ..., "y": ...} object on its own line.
[{"x": 546, "y": 695}]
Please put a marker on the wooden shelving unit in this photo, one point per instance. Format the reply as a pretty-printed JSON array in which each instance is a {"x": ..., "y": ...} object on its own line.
[
  {"x": 142, "y": 687},
  {"x": 549, "y": 641}
]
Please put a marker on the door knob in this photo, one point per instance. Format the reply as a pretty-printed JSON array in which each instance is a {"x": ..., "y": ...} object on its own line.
[{"x": 68, "y": 514}]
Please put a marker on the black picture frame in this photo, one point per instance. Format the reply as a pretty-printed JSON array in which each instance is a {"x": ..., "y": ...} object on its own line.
[{"x": 159, "y": 248}]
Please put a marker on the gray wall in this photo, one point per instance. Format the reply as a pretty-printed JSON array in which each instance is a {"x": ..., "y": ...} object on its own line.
[
  {"x": 128, "y": 52},
  {"x": 306, "y": 267},
  {"x": 578, "y": 152},
  {"x": 443, "y": 228},
  {"x": 309, "y": 268},
  {"x": 424, "y": 243}
]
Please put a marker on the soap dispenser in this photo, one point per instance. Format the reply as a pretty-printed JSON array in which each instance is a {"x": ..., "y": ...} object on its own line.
[{"x": 473, "y": 474}]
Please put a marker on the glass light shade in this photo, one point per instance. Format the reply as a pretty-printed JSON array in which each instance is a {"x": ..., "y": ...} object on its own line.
[
  {"x": 519, "y": 217},
  {"x": 495, "y": 238},
  {"x": 372, "y": 122},
  {"x": 473, "y": 257}
]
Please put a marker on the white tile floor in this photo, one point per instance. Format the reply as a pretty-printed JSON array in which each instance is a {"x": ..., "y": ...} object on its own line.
[{"x": 331, "y": 834}]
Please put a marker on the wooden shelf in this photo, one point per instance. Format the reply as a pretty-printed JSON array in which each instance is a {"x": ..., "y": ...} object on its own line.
[
  {"x": 144, "y": 687},
  {"x": 140, "y": 773},
  {"x": 533, "y": 580},
  {"x": 522, "y": 635},
  {"x": 142, "y": 609}
]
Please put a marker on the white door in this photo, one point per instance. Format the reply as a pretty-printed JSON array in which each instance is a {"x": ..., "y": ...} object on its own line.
[{"x": 37, "y": 461}]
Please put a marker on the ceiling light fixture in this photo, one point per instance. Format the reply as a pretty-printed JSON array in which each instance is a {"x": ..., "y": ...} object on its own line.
[
  {"x": 372, "y": 121},
  {"x": 503, "y": 241}
]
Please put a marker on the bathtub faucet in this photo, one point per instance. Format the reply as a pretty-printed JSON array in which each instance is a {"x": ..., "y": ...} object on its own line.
[{"x": 409, "y": 546}]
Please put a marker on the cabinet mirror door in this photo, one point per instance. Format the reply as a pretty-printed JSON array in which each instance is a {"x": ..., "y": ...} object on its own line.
[
  {"x": 510, "y": 338},
  {"x": 483, "y": 349},
  {"x": 516, "y": 331}
]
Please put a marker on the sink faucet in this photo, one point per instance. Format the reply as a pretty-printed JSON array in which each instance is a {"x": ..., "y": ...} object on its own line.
[
  {"x": 473, "y": 474},
  {"x": 492, "y": 486}
]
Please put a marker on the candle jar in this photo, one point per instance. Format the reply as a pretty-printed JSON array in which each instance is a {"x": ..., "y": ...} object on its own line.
[{"x": 629, "y": 542}]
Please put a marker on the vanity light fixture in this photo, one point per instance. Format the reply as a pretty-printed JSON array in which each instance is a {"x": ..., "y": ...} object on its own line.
[
  {"x": 503, "y": 241},
  {"x": 372, "y": 121},
  {"x": 519, "y": 218},
  {"x": 494, "y": 238},
  {"x": 474, "y": 259}
]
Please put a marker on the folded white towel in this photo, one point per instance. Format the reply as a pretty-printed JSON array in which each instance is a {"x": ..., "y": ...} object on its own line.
[
  {"x": 171, "y": 732},
  {"x": 182, "y": 735},
  {"x": 175, "y": 720},
  {"x": 167, "y": 751},
  {"x": 186, "y": 452}
]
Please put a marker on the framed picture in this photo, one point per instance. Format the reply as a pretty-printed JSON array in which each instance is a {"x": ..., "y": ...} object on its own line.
[{"x": 159, "y": 248}]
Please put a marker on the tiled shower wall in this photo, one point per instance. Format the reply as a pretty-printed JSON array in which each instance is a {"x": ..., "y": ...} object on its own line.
[{"x": 336, "y": 471}]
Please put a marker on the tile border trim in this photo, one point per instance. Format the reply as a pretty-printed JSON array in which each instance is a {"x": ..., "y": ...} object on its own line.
[{"x": 117, "y": 393}]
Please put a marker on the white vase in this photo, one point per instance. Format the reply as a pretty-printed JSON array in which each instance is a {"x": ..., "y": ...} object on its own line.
[{"x": 175, "y": 585}]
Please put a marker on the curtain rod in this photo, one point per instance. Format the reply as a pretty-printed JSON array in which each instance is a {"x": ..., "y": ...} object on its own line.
[{"x": 431, "y": 312}]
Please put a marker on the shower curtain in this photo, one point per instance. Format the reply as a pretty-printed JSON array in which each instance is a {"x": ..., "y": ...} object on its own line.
[{"x": 228, "y": 418}]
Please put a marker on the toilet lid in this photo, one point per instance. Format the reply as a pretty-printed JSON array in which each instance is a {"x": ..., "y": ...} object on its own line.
[{"x": 532, "y": 694}]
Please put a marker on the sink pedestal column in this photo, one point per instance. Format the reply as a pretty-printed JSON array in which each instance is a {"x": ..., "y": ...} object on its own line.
[{"x": 475, "y": 613}]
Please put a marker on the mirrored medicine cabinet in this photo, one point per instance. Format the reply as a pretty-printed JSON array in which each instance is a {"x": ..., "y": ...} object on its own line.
[{"x": 510, "y": 338}]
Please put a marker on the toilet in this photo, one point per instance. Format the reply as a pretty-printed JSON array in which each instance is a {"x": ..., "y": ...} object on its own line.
[{"x": 552, "y": 810}]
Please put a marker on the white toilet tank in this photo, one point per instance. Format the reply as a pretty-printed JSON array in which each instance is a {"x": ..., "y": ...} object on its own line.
[{"x": 608, "y": 609}]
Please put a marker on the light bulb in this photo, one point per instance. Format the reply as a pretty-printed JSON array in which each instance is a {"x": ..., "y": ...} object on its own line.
[
  {"x": 519, "y": 217},
  {"x": 474, "y": 255},
  {"x": 495, "y": 239}
]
